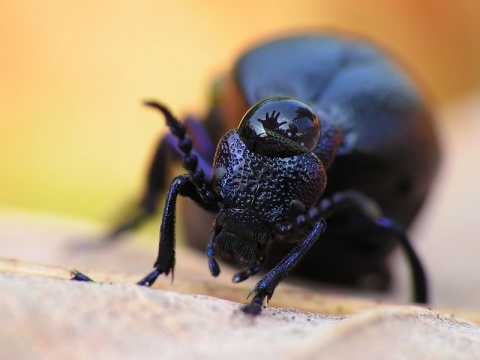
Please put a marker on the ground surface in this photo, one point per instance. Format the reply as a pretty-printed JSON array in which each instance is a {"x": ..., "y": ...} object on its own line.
[{"x": 44, "y": 316}]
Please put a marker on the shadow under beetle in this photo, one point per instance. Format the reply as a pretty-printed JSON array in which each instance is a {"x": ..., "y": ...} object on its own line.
[{"x": 321, "y": 107}]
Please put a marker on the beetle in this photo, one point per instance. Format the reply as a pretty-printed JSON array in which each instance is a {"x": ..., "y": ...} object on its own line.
[{"x": 334, "y": 131}]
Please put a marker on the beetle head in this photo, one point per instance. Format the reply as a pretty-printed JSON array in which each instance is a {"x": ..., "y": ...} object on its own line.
[{"x": 265, "y": 173}]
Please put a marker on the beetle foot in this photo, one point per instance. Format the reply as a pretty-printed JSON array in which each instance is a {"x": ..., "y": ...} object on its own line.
[
  {"x": 212, "y": 262},
  {"x": 151, "y": 278},
  {"x": 255, "y": 306},
  {"x": 78, "y": 276},
  {"x": 146, "y": 281},
  {"x": 241, "y": 276},
  {"x": 214, "y": 267},
  {"x": 244, "y": 275},
  {"x": 263, "y": 290}
]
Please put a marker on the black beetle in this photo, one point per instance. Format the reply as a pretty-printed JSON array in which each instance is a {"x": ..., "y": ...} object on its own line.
[{"x": 321, "y": 107}]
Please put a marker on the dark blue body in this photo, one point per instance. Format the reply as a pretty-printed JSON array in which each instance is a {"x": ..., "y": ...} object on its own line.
[
  {"x": 325, "y": 154},
  {"x": 377, "y": 138}
]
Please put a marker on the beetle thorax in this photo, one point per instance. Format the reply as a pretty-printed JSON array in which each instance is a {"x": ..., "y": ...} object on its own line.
[{"x": 257, "y": 191}]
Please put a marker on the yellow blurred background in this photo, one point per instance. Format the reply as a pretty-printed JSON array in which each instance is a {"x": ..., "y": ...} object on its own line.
[{"x": 74, "y": 137}]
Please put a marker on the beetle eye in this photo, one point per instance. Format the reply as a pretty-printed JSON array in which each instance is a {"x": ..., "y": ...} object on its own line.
[{"x": 280, "y": 126}]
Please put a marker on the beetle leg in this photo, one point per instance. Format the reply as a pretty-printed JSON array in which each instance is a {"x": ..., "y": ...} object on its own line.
[
  {"x": 254, "y": 269},
  {"x": 420, "y": 283},
  {"x": 369, "y": 208},
  {"x": 266, "y": 286},
  {"x": 78, "y": 276},
  {"x": 212, "y": 262},
  {"x": 166, "y": 253},
  {"x": 181, "y": 185},
  {"x": 165, "y": 262}
]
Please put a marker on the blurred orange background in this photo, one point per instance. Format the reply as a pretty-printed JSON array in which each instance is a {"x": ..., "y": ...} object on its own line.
[{"x": 74, "y": 137}]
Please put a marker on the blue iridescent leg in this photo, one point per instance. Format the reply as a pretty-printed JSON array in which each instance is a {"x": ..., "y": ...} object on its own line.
[
  {"x": 266, "y": 286},
  {"x": 212, "y": 262},
  {"x": 254, "y": 269},
  {"x": 78, "y": 276}
]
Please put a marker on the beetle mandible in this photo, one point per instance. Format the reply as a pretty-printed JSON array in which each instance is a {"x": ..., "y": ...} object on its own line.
[{"x": 320, "y": 107}]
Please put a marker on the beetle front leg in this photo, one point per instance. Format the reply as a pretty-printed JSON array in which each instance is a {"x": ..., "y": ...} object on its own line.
[
  {"x": 253, "y": 270},
  {"x": 266, "y": 286},
  {"x": 369, "y": 208},
  {"x": 420, "y": 283},
  {"x": 212, "y": 261},
  {"x": 165, "y": 262},
  {"x": 166, "y": 252}
]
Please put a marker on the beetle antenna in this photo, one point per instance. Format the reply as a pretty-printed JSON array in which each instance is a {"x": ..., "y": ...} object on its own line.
[{"x": 190, "y": 159}]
